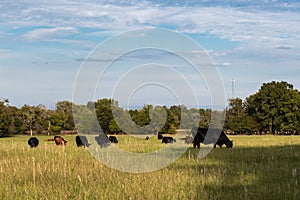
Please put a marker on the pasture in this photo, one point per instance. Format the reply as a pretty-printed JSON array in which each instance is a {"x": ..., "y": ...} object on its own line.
[{"x": 257, "y": 167}]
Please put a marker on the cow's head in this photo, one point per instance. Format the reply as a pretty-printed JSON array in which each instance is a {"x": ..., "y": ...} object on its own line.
[{"x": 229, "y": 144}]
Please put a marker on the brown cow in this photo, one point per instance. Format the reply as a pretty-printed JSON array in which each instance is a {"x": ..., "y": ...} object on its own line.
[
  {"x": 59, "y": 140},
  {"x": 189, "y": 139}
]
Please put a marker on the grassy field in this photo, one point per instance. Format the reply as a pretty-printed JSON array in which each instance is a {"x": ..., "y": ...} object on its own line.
[{"x": 258, "y": 167}]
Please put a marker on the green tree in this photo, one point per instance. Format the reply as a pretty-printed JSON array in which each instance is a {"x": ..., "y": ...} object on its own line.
[
  {"x": 66, "y": 108},
  {"x": 141, "y": 117},
  {"x": 273, "y": 106},
  {"x": 104, "y": 112},
  {"x": 235, "y": 115},
  {"x": 205, "y": 115},
  {"x": 148, "y": 120},
  {"x": 237, "y": 119},
  {"x": 86, "y": 119},
  {"x": 4, "y": 118},
  {"x": 35, "y": 118},
  {"x": 113, "y": 127},
  {"x": 58, "y": 121},
  {"x": 176, "y": 111},
  {"x": 291, "y": 113}
]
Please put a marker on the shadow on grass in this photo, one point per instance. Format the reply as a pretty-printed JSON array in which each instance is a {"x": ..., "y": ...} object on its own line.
[
  {"x": 250, "y": 173},
  {"x": 6, "y": 136}
]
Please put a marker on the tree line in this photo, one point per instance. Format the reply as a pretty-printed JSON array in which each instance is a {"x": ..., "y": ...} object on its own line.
[{"x": 273, "y": 109}]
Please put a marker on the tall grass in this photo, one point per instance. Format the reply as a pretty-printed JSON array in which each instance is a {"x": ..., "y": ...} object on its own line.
[{"x": 258, "y": 167}]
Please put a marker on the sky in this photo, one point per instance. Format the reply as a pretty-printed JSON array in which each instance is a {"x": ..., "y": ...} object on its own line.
[{"x": 44, "y": 45}]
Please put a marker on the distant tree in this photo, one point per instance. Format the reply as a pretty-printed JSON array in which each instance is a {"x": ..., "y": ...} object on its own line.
[
  {"x": 159, "y": 116},
  {"x": 291, "y": 113},
  {"x": 65, "y": 108},
  {"x": 35, "y": 118},
  {"x": 28, "y": 117},
  {"x": 85, "y": 119},
  {"x": 235, "y": 115},
  {"x": 58, "y": 120},
  {"x": 171, "y": 129},
  {"x": 104, "y": 113},
  {"x": 141, "y": 117},
  {"x": 43, "y": 118},
  {"x": 176, "y": 111},
  {"x": 62, "y": 117},
  {"x": 4, "y": 118},
  {"x": 274, "y": 107},
  {"x": 113, "y": 127},
  {"x": 237, "y": 119},
  {"x": 205, "y": 117},
  {"x": 171, "y": 122},
  {"x": 148, "y": 120},
  {"x": 14, "y": 121}
]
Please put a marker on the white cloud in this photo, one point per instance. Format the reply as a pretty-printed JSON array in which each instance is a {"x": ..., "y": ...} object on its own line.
[
  {"x": 268, "y": 39},
  {"x": 50, "y": 33},
  {"x": 229, "y": 23},
  {"x": 5, "y": 53}
]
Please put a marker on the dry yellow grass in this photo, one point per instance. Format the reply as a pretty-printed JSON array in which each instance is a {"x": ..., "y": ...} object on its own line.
[{"x": 258, "y": 167}]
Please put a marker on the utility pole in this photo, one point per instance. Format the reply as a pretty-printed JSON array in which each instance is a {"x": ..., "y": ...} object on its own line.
[{"x": 232, "y": 87}]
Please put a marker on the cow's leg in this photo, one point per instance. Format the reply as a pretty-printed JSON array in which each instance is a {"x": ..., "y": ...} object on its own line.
[{"x": 215, "y": 145}]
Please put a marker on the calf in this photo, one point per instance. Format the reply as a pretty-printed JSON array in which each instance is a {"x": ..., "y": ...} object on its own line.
[
  {"x": 59, "y": 140},
  {"x": 168, "y": 140},
  {"x": 214, "y": 137},
  {"x": 33, "y": 142},
  {"x": 82, "y": 141},
  {"x": 113, "y": 139}
]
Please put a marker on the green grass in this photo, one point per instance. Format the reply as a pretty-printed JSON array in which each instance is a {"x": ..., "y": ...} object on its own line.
[{"x": 258, "y": 167}]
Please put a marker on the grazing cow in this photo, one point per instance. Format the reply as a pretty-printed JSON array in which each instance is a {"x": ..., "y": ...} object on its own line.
[
  {"x": 217, "y": 137},
  {"x": 82, "y": 141},
  {"x": 147, "y": 138},
  {"x": 168, "y": 140},
  {"x": 33, "y": 142},
  {"x": 159, "y": 136},
  {"x": 188, "y": 139},
  {"x": 59, "y": 140},
  {"x": 113, "y": 139},
  {"x": 102, "y": 140}
]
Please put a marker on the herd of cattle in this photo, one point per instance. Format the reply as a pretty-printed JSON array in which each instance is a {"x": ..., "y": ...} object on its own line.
[{"x": 199, "y": 135}]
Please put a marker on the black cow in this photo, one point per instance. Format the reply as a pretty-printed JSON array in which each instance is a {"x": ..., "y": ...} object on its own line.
[
  {"x": 102, "y": 140},
  {"x": 33, "y": 142},
  {"x": 147, "y": 138},
  {"x": 113, "y": 139},
  {"x": 82, "y": 141},
  {"x": 159, "y": 136},
  {"x": 216, "y": 136},
  {"x": 168, "y": 140}
]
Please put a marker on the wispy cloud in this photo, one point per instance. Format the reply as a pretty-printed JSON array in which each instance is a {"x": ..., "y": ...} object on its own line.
[
  {"x": 267, "y": 32},
  {"x": 50, "y": 33},
  {"x": 5, "y": 53},
  {"x": 230, "y": 23}
]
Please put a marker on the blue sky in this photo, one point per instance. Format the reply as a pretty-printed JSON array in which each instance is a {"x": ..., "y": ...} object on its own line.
[{"x": 43, "y": 43}]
